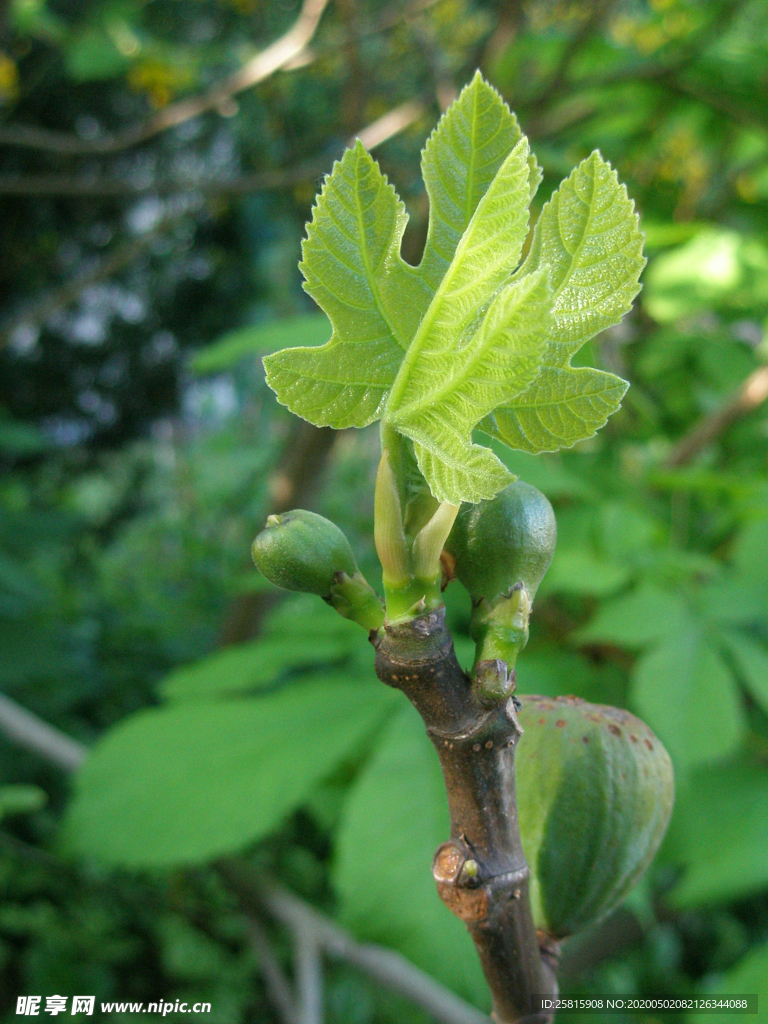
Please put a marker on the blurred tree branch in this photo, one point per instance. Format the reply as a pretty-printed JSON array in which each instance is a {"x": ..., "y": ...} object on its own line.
[
  {"x": 257, "y": 69},
  {"x": 45, "y": 305},
  {"x": 663, "y": 71},
  {"x": 275, "y": 981},
  {"x": 559, "y": 77},
  {"x": 286, "y": 53},
  {"x": 304, "y": 457},
  {"x": 309, "y": 974},
  {"x": 718, "y": 102},
  {"x": 748, "y": 396},
  {"x": 389, "y": 969},
  {"x": 374, "y": 134},
  {"x": 27, "y": 730},
  {"x": 307, "y": 448}
]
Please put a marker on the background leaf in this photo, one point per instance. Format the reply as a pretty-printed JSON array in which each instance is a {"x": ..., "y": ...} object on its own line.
[
  {"x": 645, "y": 616},
  {"x": 311, "y": 329},
  {"x": 719, "y": 833},
  {"x": 21, "y": 799},
  {"x": 748, "y": 977},
  {"x": 750, "y": 552},
  {"x": 581, "y": 572},
  {"x": 187, "y": 783},
  {"x": 686, "y": 693},
  {"x": 388, "y": 836},
  {"x": 250, "y": 666},
  {"x": 751, "y": 661}
]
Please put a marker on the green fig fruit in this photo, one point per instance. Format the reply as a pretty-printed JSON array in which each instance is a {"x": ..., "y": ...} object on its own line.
[
  {"x": 507, "y": 540},
  {"x": 595, "y": 789},
  {"x": 300, "y": 550}
]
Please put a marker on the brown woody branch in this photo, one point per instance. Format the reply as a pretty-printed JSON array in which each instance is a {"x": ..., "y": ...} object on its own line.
[{"x": 481, "y": 872}]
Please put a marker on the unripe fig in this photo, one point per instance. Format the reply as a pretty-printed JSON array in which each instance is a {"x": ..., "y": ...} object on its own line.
[
  {"x": 300, "y": 550},
  {"x": 594, "y": 791},
  {"x": 507, "y": 540}
]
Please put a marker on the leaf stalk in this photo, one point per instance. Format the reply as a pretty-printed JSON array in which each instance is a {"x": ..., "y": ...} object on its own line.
[{"x": 411, "y": 572}]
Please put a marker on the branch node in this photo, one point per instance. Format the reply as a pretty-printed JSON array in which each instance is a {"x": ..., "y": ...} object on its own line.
[{"x": 493, "y": 682}]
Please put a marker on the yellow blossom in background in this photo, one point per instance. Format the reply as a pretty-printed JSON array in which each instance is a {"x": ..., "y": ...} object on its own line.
[
  {"x": 160, "y": 82},
  {"x": 9, "y": 79}
]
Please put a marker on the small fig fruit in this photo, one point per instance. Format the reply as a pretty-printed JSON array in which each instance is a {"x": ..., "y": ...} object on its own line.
[
  {"x": 301, "y": 550},
  {"x": 507, "y": 540},
  {"x": 595, "y": 789}
]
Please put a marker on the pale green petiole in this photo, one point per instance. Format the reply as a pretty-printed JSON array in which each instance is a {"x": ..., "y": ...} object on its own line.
[
  {"x": 430, "y": 541},
  {"x": 411, "y": 573},
  {"x": 388, "y": 532}
]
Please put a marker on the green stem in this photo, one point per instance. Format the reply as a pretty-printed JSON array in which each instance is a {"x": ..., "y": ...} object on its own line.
[
  {"x": 411, "y": 598},
  {"x": 355, "y": 599},
  {"x": 500, "y": 627}
]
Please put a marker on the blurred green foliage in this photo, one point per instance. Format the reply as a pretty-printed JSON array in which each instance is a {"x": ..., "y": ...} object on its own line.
[{"x": 141, "y": 452}]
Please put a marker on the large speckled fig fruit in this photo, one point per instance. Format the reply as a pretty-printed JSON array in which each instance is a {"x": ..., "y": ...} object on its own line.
[
  {"x": 301, "y": 550},
  {"x": 505, "y": 541},
  {"x": 595, "y": 790}
]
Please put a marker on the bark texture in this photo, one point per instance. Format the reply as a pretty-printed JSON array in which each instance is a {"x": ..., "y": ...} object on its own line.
[{"x": 481, "y": 871}]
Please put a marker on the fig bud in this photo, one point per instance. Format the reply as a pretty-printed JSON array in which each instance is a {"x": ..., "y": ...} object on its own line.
[
  {"x": 595, "y": 790},
  {"x": 300, "y": 550},
  {"x": 507, "y": 540}
]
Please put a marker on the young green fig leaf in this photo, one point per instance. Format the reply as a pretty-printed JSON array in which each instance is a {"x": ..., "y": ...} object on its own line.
[
  {"x": 301, "y": 550},
  {"x": 460, "y": 160},
  {"x": 595, "y": 789},
  {"x": 589, "y": 236},
  {"x": 508, "y": 540},
  {"x": 462, "y": 364},
  {"x": 468, "y": 338}
]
